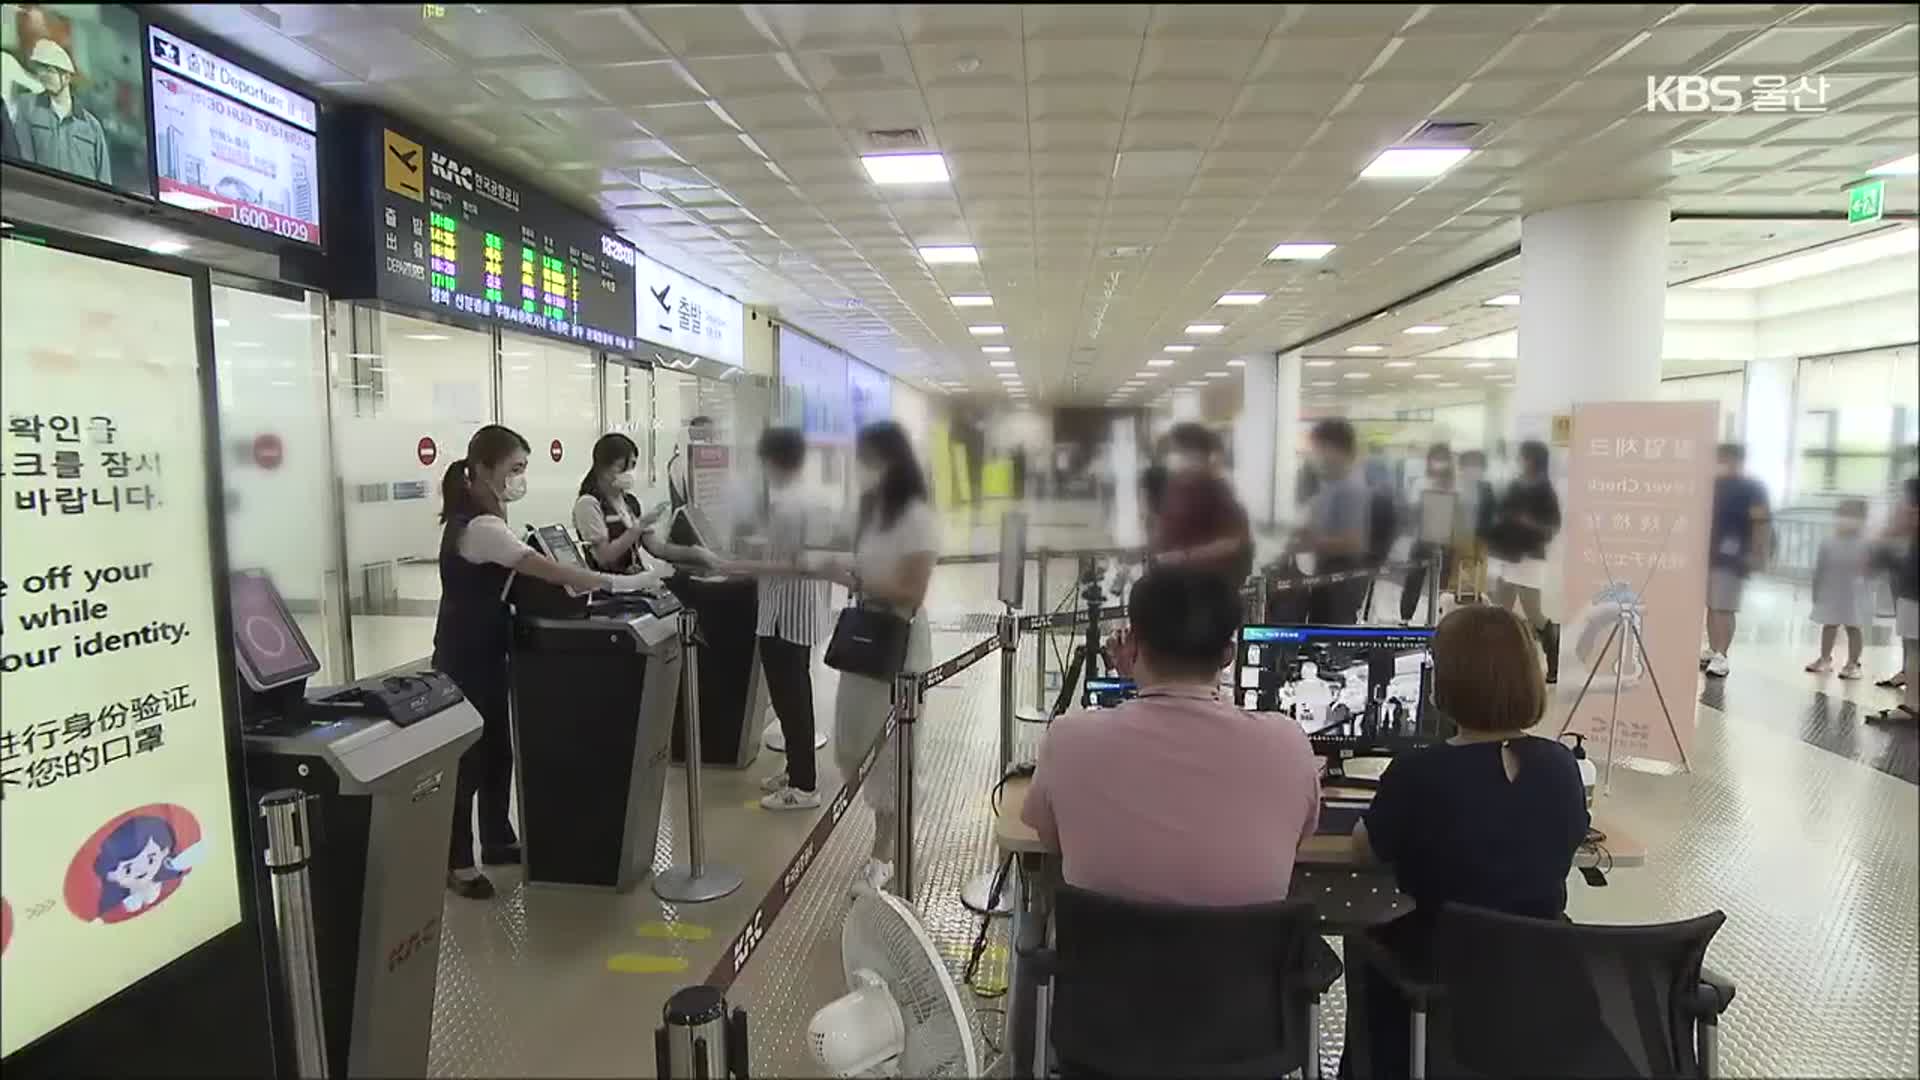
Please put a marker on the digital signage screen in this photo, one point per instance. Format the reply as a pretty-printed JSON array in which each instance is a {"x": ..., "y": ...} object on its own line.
[
  {"x": 73, "y": 87},
  {"x": 452, "y": 234},
  {"x": 232, "y": 144}
]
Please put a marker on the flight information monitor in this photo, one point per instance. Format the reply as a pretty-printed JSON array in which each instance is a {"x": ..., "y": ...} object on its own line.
[
  {"x": 1358, "y": 683},
  {"x": 453, "y": 234}
]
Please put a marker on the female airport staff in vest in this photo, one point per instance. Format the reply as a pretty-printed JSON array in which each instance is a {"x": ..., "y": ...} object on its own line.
[
  {"x": 609, "y": 519},
  {"x": 479, "y": 554}
]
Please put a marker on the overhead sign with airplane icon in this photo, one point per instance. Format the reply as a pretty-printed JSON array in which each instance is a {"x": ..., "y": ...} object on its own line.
[{"x": 676, "y": 311}]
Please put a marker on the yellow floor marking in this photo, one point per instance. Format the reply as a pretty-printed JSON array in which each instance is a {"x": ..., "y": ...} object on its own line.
[
  {"x": 643, "y": 964},
  {"x": 677, "y": 931}
]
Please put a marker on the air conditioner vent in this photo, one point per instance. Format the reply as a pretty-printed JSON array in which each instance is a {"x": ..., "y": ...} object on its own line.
[
  {"x": 897, "y": 139},
  {"x": 1446, "y": 132}
]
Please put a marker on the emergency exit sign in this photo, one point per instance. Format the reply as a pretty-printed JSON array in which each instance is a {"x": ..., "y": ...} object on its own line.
[{"x": 1865, "y": 201}]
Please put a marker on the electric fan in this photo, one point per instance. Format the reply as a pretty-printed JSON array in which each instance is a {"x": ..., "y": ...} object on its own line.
[{"x": 903, "y": 1016}]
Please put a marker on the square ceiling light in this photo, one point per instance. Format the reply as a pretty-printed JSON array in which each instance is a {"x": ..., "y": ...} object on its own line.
[
  {"x": 1414, "y": 162},
  {"x": 1241, "y": 299},
  {"x": 1820, "y": 260},
  {"x": 1160, "y": 362},
  {"x": 1480, "y": 365},
  {"x": 1320, "y": 363},
  {"x": 986, "y": 330},
  {"x": 1236, "y": 363},
  {"x": 1219, "y": 374},
  {"x": 1002, "y": 363},
  {"x": 1427, "y": 375},
  {"x": 970, "y": 301},
  {"x": 949, "y": 255},
  {"x": 1146, "y": 374},
  {"x": 1398, "y": 364},
  {"x": 905, "y": 168},
  {"x": 1299, "y": 252},
  {"x": 1365, "y": 348},
  {"x": 1357, "y": 375},
  {"x": 1177, "y": 348},
  {"x": 1199, "y": 328},
  {"x": 996, "y": 348},
  {"x": 1503, "y": 300},
  {"x": 1425, "y": 328},
  {"x": 1906, "y": 166}
]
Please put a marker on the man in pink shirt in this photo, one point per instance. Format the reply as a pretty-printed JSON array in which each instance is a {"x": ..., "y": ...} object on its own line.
[{"x": 1176, "y": 796}]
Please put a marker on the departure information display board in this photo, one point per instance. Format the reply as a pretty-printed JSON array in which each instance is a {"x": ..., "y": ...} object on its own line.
[{"x": 449, "y": 234}]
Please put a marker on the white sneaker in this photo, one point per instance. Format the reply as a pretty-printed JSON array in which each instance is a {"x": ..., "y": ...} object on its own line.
[
  {"x": 790, "y": 798},
  {"x": 776, "y": 782},
  {"x": 1717, "y": 666},
  {"x": 1851, "y": 671},
  {"x": 1706, "y": 657}
]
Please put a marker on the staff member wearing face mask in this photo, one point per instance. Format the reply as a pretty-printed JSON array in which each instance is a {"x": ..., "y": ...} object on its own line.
[
  {"x": 479, "y": 554},
  {"x": 609, "y": 519}
]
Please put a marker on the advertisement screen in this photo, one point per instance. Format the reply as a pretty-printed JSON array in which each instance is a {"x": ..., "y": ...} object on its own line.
[
  {"x": 232, "y": 144},
  {"x": 75, "y": 93},
  {"x": 118, "y": 852}
]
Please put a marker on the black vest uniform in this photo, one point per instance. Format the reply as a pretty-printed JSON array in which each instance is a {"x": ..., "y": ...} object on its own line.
[
  {"x": 616, "y": 528},
  {"x": 471, "y": 638}
]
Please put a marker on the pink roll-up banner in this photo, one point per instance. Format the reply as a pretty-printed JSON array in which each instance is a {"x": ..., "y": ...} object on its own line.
[{"x": 1635, "y": 526}]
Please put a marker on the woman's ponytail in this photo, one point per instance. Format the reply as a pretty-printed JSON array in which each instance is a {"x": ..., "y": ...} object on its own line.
[
  {"x": 456, "y": 492},
  {"x": 460, "y": 498}
]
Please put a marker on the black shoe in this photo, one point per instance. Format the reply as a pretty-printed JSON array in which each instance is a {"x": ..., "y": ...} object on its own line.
[
  {"x": 504, "y": 855},
  {"x": 1550, "y": 643},
  {"x": 473, "y": 888}
]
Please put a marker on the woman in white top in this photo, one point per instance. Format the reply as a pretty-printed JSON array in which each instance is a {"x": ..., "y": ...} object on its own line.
[{"x": 608, "y": 517}]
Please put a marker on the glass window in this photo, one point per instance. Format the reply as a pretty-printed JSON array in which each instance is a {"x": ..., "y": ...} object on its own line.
[
  {"x": 281, "y": 513},
  {"x": 1728, "y": 389},
  {"x": 1859, "y": 418},
  {"x": 550, "y": 394},
  {"x": 408, "y": 394}
]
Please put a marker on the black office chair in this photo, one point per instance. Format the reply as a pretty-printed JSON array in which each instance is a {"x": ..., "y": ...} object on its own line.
[
  {"x": 1511, "y": 996},
  {"x": 1163, "y": 990}
]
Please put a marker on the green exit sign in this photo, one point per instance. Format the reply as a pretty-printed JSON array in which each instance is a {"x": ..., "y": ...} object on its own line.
[{"x": 1865, "y": 201}]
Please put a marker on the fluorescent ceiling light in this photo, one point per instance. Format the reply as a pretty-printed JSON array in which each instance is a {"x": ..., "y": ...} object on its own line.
[
  {"x": 1478, "y": 365},
  {"x": 1324, "y": 382},
  {"x": 905, "y": 168},
  {"x": 1300, "y": 252},
  {"x": 1219, "y": 374},
  {"x": 1398, "y": 364},
  {"x": 1320, "y": 363},
  {"x": 1146, "y": 375},
  {"x": 1205, "y": 328},
  {"x": 296, "y": 316},
  {"x": 1414, "y": 162},
  {"x": 166, "y": 247},
  {"x": 1357, "y": 375},
  {"x": 949, "y": 254},
  {"x": 970, "y": 301},
  {"x": 1195, "y": 382},
  {"x": 425, "y": 337},
  {"x": 1365, "y": 348},
  {"x": 1427, "y": 375},
  {"x": 1241, "y": 299},
  {"x": 1820, "y": 260},
  {"x": 1425, "y": 328},
  {"x": 986, "y": 330},
  {"x": 1236, "y": 363},
  {"x": 1000, "y": 363},
  {"x": 1448, "y": 385},
  {"x": 1906, "y": 166},
  {"x": 1159, "y": 362},
  {"x": 996, "y": 348},
  {"x": 1177, "y": 348},
  {"x": 1503, "y": 300}
]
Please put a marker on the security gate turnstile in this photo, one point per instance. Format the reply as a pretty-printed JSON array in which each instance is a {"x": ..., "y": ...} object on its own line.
[
  {"x": 593, "y": 708},
  {"x": 382, "y": 811}
]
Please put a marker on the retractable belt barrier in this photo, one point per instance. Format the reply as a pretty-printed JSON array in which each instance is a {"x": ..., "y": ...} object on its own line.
[
  {"x": 1078, "y": 616},
  {"x": 742, "y": 947}
]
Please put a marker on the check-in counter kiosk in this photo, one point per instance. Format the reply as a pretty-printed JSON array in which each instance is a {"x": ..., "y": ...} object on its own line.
[
  {"x": 594, "y": 681},
  {"x": 378, "y": 759},
  {"x": 733, "y": 689}
]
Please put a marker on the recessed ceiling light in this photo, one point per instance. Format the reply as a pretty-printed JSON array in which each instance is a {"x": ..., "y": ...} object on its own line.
[
  {"x": 1820, "y": 260},
  {"x": 166, "y": 247},
  {"x": 1323, "y": 382},
  {"x": 970, "y": 301},
  {"x": 1425, "y": 328},
  {"x": 1448, "y": 385},
  {"x": 1357, "y": 375},
  {"x": 1219, "y": 374},
  {"x": 1001, "y": 363},
  {"x": 1478, "y": 365},
  {"x": 1205, "y": 328},
  {"x": 1241, "y": 299},
  {"x": 1300, "y": 252},
  {"x": 949, "y": 254},
  {"x": 1236, "y": 363},
  {"x": 1177, "y": 348},
  {"x": 996, "y": 348},
  {"x": 1320, "y": 363},
  {"x": 1414, "y": 162},
  {"x": 1160, "y": 362},
  {"x": 1906, "y": 166},
  {"x": 1146, "y": 374},
  {"x": 425, "y": 337},
  {"x": 986, "y": 330},
  {"x": 1365, "y": 348},
  {"x": 1503, "y": 300},
  {"x": 1398, "y": 364},
  {"x": 1427, "y": 375},
  {"x": 905, "y": 168}
]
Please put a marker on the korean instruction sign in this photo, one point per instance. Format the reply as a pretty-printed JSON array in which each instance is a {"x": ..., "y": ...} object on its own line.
[
  {"x": 1639, "y": 496},
  {"x": 117, "y": 840}
]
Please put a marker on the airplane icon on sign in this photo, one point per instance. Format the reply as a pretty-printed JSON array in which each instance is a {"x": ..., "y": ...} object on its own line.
[
  {"x": 660, "y": 295},
  {"x": 411, "y": 159}
]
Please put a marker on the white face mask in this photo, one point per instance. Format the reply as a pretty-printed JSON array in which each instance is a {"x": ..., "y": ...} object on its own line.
[
  {"x": 870, "y": 476},
  {"x": 516, "y": 488},
  {"x": 623, "y": 481}
]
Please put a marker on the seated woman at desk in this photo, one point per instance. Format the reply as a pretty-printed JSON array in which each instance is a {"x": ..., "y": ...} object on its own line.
[
  {"x": 609, "y": 519},
  {"x": 1492, "y": 817}
]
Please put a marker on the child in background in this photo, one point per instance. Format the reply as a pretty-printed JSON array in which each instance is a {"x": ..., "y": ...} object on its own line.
[{"x": 1840, "y": 593}]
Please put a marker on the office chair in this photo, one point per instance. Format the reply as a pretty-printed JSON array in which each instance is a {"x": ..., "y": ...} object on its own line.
[
  {"x": 1160, "y": 990},
  {"x": 1511, "y": 996}
]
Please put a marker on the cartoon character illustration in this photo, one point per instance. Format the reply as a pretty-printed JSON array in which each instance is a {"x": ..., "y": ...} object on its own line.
[
  {"x": 138, "y": 866},
  {"x": 1625, "y": 664}
]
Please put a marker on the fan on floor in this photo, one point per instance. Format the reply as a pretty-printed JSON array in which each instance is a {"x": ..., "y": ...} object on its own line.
[{"x": 902, "y": 1016}]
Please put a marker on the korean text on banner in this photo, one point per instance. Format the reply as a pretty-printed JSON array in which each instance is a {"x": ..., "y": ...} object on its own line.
[
  {"x": 1639, "y": 500},
  {"x": 117, "y": 841}
]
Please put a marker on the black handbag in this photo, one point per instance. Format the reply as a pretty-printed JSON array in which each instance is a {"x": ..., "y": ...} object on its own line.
[{"x": 868, "y": 641}]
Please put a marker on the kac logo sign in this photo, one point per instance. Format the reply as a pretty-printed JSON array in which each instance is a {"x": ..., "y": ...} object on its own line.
[{"x": 1735, "y": 93}]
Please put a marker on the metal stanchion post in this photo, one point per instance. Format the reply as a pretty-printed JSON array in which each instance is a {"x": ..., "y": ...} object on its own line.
[
  {"x": 288, "y": 845},
  {"x": 1434, "y": 567},
  {"x": 979, "y": 894},
  {"x": 699, "y": 1038},
  {"x": 1041, "y": 605},
  {"x": 907, "y": 689},
  {"x": 699, "y": 882}
]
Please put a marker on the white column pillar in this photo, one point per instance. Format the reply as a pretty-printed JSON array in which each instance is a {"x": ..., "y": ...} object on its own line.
[
  {"x": 1767, "y": 416},
  {"x": 1286, "y": 434},
  {"x": 1593, "y": 299},
  {"x": 1498, "y": 421},
  {"x": 1253, "y": 435}
]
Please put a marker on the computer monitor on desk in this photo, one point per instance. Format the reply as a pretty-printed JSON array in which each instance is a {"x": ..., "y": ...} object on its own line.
[{"x": 1353, "y": 689}]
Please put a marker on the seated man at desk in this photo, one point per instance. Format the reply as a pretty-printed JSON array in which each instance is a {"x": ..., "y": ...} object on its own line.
[{"x": 1176, "y": 796}]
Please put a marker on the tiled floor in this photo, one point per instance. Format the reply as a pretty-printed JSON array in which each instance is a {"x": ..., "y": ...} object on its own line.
[{"x": 1805, "y": 837}]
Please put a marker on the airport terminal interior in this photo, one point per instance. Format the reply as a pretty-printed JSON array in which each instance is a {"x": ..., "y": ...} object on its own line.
[{"x": 744, "y": 279}]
